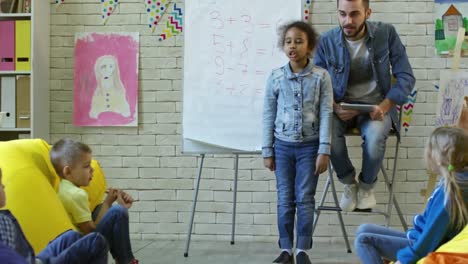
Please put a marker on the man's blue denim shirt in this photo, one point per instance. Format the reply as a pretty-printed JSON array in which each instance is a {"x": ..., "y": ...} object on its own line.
[
  {"x": 298, "y": 108},
  {"x": 388, "y": 57}
]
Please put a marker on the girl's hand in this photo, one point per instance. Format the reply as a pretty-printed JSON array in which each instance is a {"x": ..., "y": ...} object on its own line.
[
  {"x": 321, "y": 164},
  {"x": 269, "y": 163}
]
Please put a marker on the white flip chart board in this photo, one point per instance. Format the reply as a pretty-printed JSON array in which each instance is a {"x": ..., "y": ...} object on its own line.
[{"x": 230, "y": 49}]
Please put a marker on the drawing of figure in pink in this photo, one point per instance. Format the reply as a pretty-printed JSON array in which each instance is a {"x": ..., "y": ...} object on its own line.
[{"x": 110, "y": 93}]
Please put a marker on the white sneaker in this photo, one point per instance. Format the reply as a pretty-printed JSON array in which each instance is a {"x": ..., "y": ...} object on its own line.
[
  {"x": 366, "y": 199},
  {"x": 349, "y": 197}
]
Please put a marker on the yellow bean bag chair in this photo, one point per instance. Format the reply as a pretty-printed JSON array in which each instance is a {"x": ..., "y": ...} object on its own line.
[
  {"x": 31, "y": 190},
  {"x": 458, "y": 244}
]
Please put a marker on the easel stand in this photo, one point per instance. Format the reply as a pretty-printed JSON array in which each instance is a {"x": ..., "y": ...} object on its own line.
[{"x": 195, "y": 198}]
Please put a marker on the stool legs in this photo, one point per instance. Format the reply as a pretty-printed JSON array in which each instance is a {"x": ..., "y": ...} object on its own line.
[
  {"x": 392, "y": 201},
  {"x": 331, "y": 182}
]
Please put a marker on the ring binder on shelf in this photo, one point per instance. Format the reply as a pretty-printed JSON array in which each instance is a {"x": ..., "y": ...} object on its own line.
[
  {"x": 7, "y": 45},
  {"x": 8, "y": 101}
]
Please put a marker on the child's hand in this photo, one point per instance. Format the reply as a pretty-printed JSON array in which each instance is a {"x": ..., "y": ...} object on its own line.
[
  {"x": 321, "y": 164},
  {"x": 269, "y": 163},
  {"x": 111, "y": 196},
  {"x": 124, "y": 199}
]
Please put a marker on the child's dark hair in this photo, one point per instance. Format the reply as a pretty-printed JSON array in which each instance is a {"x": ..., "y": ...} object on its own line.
[
  {"x": 66, "y": 152},
  {"x": 302, "y": 26}
]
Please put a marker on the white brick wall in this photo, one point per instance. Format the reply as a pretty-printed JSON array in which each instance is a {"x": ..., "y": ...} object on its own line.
[{"x": 146, "y": 160}]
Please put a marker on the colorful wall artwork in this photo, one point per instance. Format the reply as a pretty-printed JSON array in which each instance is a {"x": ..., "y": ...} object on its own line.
[
  {"x": 106, "y": 79},
  {"x": 449, "y": 16},
  {"x": 451, "y": 100}
]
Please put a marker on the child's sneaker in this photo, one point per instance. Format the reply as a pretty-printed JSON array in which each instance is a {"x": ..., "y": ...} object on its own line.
[
  {"x": 349, "y": 197},
  {"x": 366, "y": 199},
  {"x": 284, "y": 258},
  {"x": 302, "y": 258}
]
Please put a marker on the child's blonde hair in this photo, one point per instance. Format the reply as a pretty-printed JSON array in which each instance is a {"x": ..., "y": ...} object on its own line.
[
  {"x": 66, "y": 152},
  {"x": 447, "y": 154}
]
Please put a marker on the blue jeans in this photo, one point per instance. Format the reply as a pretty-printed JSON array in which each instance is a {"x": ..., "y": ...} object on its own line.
[
  {"x": 374, "y": 134},
  {"x": 374, "y": 242},
  {"x": 295, "y": 184},
  {"x": 114, "y": 227},
  {"x": 72, "y": 248}
]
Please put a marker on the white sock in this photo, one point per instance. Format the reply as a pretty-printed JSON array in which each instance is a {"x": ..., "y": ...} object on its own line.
[
  {"x": 298, "y": 250},
  {"x": 289, "y": 250}
]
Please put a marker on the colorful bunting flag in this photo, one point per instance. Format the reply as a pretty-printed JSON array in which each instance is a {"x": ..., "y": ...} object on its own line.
[
  {"x": 408, "y": 110},
  {"x": 307, "y": 4},
  {"x": 173, "y": 24},
  {"x": 58, "y": 2},
  {"x": 155, "y": 9},
  {"x": 107, "y": 7}
]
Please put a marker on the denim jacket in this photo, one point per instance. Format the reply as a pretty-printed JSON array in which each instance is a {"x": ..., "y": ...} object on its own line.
[
  {"x": 297, "y": 108},
  {"x": 386, "y": 52}
]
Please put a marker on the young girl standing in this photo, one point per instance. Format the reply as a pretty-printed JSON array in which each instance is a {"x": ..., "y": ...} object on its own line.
[
  {"x": 296, "y": 136},
  {"x": 446, "y": 212}
]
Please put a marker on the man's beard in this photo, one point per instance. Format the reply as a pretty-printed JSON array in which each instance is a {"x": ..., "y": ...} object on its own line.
[{"x": 360, "y": 28}]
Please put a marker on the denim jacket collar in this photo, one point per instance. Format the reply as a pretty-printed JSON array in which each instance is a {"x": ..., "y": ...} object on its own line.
[{"x": 307, "y": 70}]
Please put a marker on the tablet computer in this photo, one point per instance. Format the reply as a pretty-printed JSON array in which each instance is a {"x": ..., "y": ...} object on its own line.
[{"x": 358, "y": 107}]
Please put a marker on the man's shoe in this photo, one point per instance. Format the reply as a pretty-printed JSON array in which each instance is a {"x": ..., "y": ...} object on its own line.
[
  {"x": 349, "y": 197},
  {"x": 302, "y": 258},
  {"x": 284, "y": 258},
  {"x": 366, "y": 199}
]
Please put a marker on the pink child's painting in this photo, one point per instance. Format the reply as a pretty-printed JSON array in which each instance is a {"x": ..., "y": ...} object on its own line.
[{"x": 106, "y": 79}]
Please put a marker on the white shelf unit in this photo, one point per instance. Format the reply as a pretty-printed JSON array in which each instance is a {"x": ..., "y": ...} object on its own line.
[
  {"x": 39, "y": 73},
  {"x": 15, "y": 15}
]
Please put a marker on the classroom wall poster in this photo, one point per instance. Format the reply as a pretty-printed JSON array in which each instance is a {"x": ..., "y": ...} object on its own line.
[
  {"x": 106, "y": 79},
  {"x": 451, "y": 100},
  {"x": 449, "y": 16}
]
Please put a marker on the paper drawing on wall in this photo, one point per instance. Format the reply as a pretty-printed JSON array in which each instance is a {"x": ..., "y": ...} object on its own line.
[
  {"x": 453, "y": 89},
  {"x": 109, "y": 95},
  {"x": 450, "y": 15},
  {"x": 106, "y": 79}
]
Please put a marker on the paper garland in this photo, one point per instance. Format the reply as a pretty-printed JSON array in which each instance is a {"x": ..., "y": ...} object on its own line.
[
  {"x": 408, "y": 109},
  {"x": 307, "y": 4},
  {"x": 155, "y": 9},
  {"x": 58, "y": 2},
  {"x": 107, "y": 7},
  {"x": 173, "y": 25}
]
